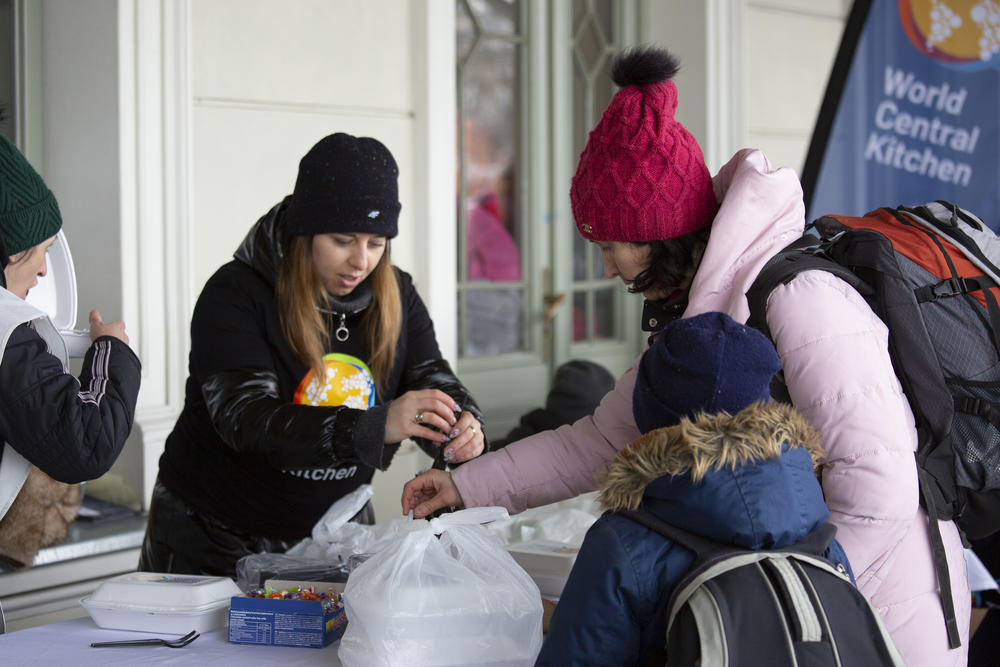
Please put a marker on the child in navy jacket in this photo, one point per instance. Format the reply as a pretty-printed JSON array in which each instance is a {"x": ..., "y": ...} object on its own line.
[{"x": 716, "y": 459}]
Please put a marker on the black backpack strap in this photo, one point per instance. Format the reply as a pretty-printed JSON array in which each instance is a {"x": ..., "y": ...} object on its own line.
[
  {"x": 807, "y": 253},
  {"x": 815, "y": 543},
  {"x": 701, "y": 546},
  {"x": 779, "y": 269},
  {"x": 940, "y": 558}
]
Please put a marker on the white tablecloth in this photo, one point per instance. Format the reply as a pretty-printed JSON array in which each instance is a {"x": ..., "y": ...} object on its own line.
[{"x": 68, "y": 643}]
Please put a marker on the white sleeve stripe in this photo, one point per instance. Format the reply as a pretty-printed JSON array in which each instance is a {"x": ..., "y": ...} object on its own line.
[{"x": 98, "y": 374}]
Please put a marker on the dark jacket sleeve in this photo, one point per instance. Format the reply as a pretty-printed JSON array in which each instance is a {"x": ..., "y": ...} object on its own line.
[
  {"x": 426, "y": 369},
  {"x": 249, "y": 415},
  {"x": 234, "y": 356},
  {"x": 72, "y": 429}
]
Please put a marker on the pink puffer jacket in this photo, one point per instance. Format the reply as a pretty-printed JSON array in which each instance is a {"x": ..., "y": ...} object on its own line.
[{"x": 834, "y": 352}]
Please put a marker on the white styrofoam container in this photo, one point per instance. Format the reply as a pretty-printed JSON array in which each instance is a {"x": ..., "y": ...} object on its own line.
[
  {"x": 545, "y": 557},
  {"x": 548, "y": 562},
  {"x": 55, "y": 294},
  {"x": 155, "y": 602}
]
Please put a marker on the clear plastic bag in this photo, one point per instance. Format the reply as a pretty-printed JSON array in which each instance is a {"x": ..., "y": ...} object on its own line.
[
  {"x": 322, "y": 557},
  {"x": 457, "y": 599},
  {"x": 253, "y": 570}
]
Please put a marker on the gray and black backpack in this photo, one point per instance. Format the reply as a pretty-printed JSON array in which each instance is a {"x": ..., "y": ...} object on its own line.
[
  {"x": 739, "y": 607},
  {"x": 931, "y": 274}
]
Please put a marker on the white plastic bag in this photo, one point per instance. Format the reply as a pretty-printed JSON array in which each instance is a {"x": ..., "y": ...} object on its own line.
[
  {"x": 565, "y": 521},
  {"x": 460, "y": 599},
  {"x": 339, "y": 513}
]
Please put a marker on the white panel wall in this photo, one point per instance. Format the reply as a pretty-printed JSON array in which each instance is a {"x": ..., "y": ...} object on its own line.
[
  {"x": 753, "y": 71},
  {"x": 790, "y": 49}
]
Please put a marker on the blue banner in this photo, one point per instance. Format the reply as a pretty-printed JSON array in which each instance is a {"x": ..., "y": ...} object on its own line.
[{"x": 912, "y": 110}]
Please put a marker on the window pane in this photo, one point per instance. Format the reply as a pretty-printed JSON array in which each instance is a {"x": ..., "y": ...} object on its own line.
[
  {"x": 498, "y": 16},
  {"x": 466, "y": 31},
  {"x": 490, "y": 226},
  {"x": 490, "y": 138},
  {"x": 493, "y": 320},
  {"x": 596, "y": 262},
  {"x": 579, "y": 257},
  {"x": 579, "y": 316},
  {"x": 604, "y": 315},
  {"x": 594, "y": 309}
]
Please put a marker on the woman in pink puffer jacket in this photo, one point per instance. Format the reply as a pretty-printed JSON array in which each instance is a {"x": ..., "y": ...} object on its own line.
[{"x": 643, "y": 195}]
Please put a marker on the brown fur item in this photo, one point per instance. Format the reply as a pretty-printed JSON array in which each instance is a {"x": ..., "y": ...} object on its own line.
[
  {"x": 704, "y": 443},
  {"x": 39, "y": 517}
]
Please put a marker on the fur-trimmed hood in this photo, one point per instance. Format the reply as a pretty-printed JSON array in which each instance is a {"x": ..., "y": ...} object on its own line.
[{"x": 747, "y": 479}]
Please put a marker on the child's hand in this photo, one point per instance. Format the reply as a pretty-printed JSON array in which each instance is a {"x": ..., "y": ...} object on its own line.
[{"x": 98, "y": 328}]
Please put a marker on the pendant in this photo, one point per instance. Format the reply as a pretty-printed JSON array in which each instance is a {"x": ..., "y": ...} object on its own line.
[{"x": 342, "y": 334}]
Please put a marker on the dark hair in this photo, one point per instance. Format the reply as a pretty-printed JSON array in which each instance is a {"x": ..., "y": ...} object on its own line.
[{"x": 672, "y": 262}]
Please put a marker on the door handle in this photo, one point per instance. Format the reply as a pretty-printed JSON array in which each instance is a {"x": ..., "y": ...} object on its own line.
[{"x": 553, "y": 302}]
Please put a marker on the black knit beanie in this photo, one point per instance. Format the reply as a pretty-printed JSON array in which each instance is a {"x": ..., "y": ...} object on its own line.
[
  {"x": 345, "y": 184},
  {"x": 706, "y": 363},
  {"x": 29, "y": 213}
]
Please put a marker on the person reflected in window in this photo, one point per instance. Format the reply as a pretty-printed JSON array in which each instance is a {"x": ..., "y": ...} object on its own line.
[
  {"x": 493, "y": 317},
  {"x": 492, "y": 250}
]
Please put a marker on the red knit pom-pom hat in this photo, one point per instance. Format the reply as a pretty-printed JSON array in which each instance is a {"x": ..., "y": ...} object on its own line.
[{"x": 641, "y": 176}]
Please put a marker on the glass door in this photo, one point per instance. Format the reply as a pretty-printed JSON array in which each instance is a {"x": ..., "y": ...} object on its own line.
[{"x": 532, "y": 80}]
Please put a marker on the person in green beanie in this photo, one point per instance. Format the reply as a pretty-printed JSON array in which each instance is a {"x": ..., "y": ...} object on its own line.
[{"x": 56, "y": 430}]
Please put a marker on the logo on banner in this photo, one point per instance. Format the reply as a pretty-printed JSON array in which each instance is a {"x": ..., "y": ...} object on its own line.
[{"x": 964, "y": 35}]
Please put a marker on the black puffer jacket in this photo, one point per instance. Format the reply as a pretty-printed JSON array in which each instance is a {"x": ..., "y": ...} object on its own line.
[
  {"x": 71, "y": 428},
  {"x": 248, "y": 449}
]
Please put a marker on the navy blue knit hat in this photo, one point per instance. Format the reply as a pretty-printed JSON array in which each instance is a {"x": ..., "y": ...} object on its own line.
[
  {"x": 345, "y": 184},
  {"x": 706, "y": 363}
]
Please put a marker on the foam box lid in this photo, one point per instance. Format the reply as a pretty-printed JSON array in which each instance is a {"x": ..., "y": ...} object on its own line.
[
  {"x": 153, "y": 591},
  {"x": 545, "y": 557}
]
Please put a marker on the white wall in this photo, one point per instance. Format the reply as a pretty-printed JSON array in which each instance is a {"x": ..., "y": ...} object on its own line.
[
  {"x": 753, "y": 72},
  {"x": 790, "y": 49},
  {"x": 267, "y": 85}
]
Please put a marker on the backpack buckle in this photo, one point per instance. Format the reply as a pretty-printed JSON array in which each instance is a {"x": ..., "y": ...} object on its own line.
[{"x": 948, "y": 287}]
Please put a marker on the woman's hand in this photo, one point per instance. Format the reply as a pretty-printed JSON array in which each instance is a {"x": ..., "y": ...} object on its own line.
[
  {"x": 98, "y": 328},
  {"x": 412, "y": 414},
  {"x": 467, "y": 440},
  {"x": 429, "y": 492}
]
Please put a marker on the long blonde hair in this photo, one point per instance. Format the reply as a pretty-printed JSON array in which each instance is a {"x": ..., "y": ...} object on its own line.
[{"x": 300, "y": 295}]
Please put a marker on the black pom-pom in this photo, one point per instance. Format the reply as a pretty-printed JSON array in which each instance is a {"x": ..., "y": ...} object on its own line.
[{"x": 643, "y": 65}]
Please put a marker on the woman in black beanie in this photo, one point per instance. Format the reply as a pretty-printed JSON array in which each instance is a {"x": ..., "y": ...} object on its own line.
[{"x": 312, "y": 358}]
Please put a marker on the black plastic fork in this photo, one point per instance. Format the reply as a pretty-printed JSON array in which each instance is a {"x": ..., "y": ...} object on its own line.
[{"x": 180, "y": 642}]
